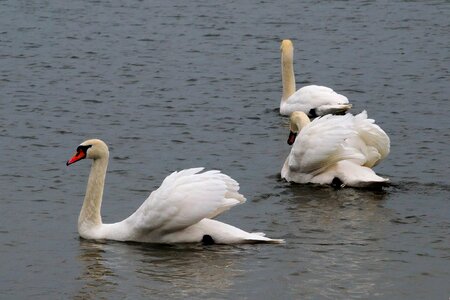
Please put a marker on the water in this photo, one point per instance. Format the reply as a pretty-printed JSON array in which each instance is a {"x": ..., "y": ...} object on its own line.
[{"x": 170, "y": 85}]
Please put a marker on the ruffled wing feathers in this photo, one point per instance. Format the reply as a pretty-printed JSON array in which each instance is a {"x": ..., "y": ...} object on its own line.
[
  {"x": 319, "y": 143},
  {"x": 184, "y": 198}
]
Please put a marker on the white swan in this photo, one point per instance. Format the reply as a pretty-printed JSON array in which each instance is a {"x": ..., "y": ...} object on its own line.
[
  {"x": 179, "y": 211},
  {"x": 335, "y": 150},
  {"x": 313, "y": 100}
]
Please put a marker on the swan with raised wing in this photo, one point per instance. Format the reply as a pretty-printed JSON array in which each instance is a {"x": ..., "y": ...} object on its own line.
[
  {"x": 336, "y": 150},
  {"x": 181, "y": 210},
  {"x": 314, "y": 100}
]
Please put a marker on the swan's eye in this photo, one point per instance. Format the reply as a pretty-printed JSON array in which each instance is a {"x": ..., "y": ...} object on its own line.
[{"x": 83, "y": 148}]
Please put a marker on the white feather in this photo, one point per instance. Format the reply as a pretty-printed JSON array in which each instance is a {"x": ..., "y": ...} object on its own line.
[
  {"x": 322, "y": 146},
  {"x": 322, "y": 99},
  {"x": 179, "y": 211}
]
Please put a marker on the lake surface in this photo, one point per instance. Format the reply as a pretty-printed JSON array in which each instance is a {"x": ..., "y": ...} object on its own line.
[{"x": 175, "y": 84}]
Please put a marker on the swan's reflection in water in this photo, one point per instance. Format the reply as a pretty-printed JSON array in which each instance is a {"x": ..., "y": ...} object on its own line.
[
  {"x": 137, "y": 270},
  {"x": 335, "y": 232},
  {"x": 323, "y": 208},
  {"x": 96, "y": 276}
]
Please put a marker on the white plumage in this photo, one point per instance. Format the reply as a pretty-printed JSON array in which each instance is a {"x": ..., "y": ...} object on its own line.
[
  {"x": 179, "y": 211},
  {"x": 314, "y": 100},
  {"x": 343, "y": 147}
]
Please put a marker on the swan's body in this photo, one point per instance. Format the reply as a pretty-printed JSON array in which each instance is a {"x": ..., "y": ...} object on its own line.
[
  {"x": 313, "y": 100},
  {"x": 336, "y": 148},
  {"x": 179, "y": 211}
]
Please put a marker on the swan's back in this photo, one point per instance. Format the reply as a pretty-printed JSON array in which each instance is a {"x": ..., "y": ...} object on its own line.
[
  {"x": 324, "y": 144},
  {"x": 318, "y": 145},
  {"x": 317, "y": 95},
  {"x": 320, "y": 99}
]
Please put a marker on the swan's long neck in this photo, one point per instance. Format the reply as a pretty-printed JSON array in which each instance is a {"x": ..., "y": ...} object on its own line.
[
  {"x": 287, "y": 73},
  {"x": 90, "y": 211},
  {"x": 298, "y": 120}
]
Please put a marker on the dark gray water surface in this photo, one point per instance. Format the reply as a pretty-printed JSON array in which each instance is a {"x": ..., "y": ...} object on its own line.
[{"x": 177, "y": 84}]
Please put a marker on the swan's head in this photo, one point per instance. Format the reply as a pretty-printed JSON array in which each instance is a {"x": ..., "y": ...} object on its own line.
[
  {"x": 298, "y": 120},
  {"x": 92, "y": 149},
  {"x": 287, "y": 46}
]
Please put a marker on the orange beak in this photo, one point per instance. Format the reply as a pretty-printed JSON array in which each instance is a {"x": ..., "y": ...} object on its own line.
[{"x": 76, "y": 157}]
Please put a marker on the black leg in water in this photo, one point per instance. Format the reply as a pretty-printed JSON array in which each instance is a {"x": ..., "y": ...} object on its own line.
[
  {"x": 337, "y": 183},
  {"x": 207, "y": 240}
]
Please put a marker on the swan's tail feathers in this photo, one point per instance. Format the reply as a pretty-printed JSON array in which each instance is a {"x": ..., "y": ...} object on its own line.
[
  {"x": 223, "y": 233},
  {"x": 354, "y": 175},
  {"x": 260, "y": 238},
  {"x": 333, "y": 109}
]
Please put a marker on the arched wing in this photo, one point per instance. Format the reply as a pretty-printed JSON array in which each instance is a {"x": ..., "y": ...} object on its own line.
[
  {"x": 376, "y": 140},
  {"x": 183, "y": 199},
  {"x": 320, "y": 144}
]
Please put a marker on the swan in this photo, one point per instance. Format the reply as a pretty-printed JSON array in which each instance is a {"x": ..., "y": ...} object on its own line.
[
  {"x": 313, "y": 100},
  {"x": 337, "y": 150},
  {"x": 179, "y": 211}
]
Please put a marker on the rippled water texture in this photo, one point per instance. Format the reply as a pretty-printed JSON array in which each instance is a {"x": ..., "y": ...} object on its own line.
[{"x": 176, "y": 84}]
